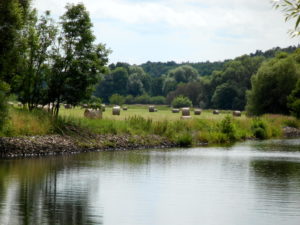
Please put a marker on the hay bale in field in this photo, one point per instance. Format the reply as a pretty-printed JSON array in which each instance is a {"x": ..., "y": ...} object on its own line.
[
  {"x": 155, "y": 110},
  {"x": 175, "y": 110},
  {"x": 185, "y": 117},
  {"x": 125, "y": 108},
  {"x": 197, "y": 111},
  {"x": 10, "y": 103},
  {"x": 237, "y": 113},
  {"x": 185, "y": 111},
  {"x": 116, "y": 110},
  {"x": 216, "y": 112},
  {"x": 151, "y": 108},
  {"x": 93, "y": 114},
  {"x": 20, "y": 104},
  {"x": 68, "y": 106},
  {"x": 84, "y": 106}
]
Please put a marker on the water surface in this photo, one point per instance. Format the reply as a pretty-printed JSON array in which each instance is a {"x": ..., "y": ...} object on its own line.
[{"x": 250, "y": 183}]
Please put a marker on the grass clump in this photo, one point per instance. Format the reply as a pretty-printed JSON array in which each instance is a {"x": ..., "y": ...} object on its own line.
[{"x": 260, "y": 129}]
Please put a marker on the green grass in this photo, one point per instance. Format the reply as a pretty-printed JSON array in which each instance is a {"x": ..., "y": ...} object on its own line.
[{"x": 205, "y": 128}]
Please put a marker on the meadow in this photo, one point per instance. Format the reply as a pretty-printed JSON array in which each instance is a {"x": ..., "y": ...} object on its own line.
[{"x": 206, "y": 128}]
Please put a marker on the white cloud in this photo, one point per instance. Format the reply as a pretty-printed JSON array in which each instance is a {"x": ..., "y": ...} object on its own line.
[{"x": 192, "y": 30}]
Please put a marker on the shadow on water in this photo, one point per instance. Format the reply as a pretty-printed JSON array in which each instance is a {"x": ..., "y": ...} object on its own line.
[{"x": 30, "y": 193}]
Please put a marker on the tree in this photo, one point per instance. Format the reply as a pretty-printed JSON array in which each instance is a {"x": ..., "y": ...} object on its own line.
[
  {"x": 39, "y": 38},
  {"x": 272, "y": 84},
  {"x": 77, "y": 61},
  {"x": 184, "y": 74},
  {"x": 117, "y": 99},
  {"x": 225, "y": 97},
  {"x": 181, "y": 101},
  {"x": 291, "y": 9},
  {"x": 12, "y": 20},
  {"x": 294, "y": 101}
]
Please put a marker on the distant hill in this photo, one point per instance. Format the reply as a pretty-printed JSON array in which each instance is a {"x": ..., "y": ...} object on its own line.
[{"x": 157, "y": 69}]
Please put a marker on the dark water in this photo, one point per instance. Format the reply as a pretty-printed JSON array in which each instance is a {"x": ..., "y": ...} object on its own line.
[{"x": 255, "y": 183}]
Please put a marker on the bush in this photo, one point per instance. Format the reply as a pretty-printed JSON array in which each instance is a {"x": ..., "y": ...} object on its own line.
[
  {"x": 117, "y": 99},
  {"x": 259, "y": 129},
  {"x": 181, "y": 101},
  {"x": 184, "y": 140},
  {"x": 143, "y": 99},
  {"x": 227, "y": 127},
  {"x": 129, "y": 99},
  {"x": 158, "y": 100}
]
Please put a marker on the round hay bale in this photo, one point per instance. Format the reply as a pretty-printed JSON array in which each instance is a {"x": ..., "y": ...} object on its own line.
[
  {"x": 155, "y": 110},
  {"x": 175, "y": 110},
  {"x": 216, "y": 112},
  {"x": 93, "y": 114},
  {"x": 185, "y": 117},
  {"x": 197, "y": 112},
  {"x": 151, "y": 108},
  {"x": 237, "y": 113},
  {"x": 125, "y": 108},
  {"x": 84, "y": 106},
  {"x": 20, "y": 104},
  {"x": 116, "y": 110},
  {"x": 185, "y": 111},
  {"x": 10, "y": 103}
]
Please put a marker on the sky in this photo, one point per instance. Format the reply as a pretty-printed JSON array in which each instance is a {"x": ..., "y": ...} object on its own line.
[{"x": 138, "y": 31}]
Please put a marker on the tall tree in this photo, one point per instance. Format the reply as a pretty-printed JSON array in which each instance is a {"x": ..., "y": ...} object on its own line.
[{"x": 78, "y": 62}]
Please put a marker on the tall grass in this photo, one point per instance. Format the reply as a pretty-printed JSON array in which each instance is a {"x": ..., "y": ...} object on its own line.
[{"x": 206, "y": 128}]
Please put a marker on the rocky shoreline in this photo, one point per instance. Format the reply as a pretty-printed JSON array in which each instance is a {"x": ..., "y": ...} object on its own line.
[{"x": 33, "y": 146}]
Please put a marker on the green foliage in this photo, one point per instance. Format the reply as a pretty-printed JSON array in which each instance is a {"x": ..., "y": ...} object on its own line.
[
  {"x": 294, "y": 101},
  {"x": 259, "y": 129},
  {"x": 272, "y": 85},
  {"x": 184, "y": 139},
  {"x": 291, "y": 10},
  {"x": 181, "y": 101},
  {"x": 117, "y": 99},
  {"x": 4, "y": 88},
  {"x": 228, "y": 128}
]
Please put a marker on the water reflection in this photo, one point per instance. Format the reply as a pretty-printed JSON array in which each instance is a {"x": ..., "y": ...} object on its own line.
[{"x": 235, "y": 185}]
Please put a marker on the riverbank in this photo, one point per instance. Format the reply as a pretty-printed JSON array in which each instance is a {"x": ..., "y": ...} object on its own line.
[
  {"x": 34, "y": 146},
  {"x": 11, "y": 147},
  {"x": 37, "y": 133}
]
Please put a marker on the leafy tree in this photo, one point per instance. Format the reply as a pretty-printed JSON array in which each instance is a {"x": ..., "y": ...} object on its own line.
[
  {"x": 183, "y": 74},
  {"x": 39, "y": 37},
  {"x": 117, "y": 99},
  {"x": 272, "y": 84},
  {"x": 225, "y": 96},
  {"x": 294, "y": 101},
  {"x": 291, "y": 9},
  {"x": 77, "y": 61},
  {"x": 181, "y": 101}
]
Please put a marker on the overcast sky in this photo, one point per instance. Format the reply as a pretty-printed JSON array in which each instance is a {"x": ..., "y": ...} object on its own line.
[{"x": 182, "y": 30}]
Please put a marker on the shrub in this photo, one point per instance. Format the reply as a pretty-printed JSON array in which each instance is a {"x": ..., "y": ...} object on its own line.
[
  {"x": 259, "y": 129},
  {"x": 143, "y": 99},
  {"x": 117, "y": 99},
  {"x": 158, "y": 100},
  {"x": 227, "y": 127},
  {"x": 181, "y": 101},
  {"x": 184, "y": 139},
  {"x": 129, "y": 99}
]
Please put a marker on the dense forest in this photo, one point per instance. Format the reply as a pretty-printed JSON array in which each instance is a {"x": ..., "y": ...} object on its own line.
[{"x": 221, "y": 85}]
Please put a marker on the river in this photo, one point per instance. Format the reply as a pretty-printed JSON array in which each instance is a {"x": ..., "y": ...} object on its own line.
[{"x": 245, "y": 184}]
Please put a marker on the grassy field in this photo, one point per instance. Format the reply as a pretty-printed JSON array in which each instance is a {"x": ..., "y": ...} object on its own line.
[{"x": 204, "y": 128}]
